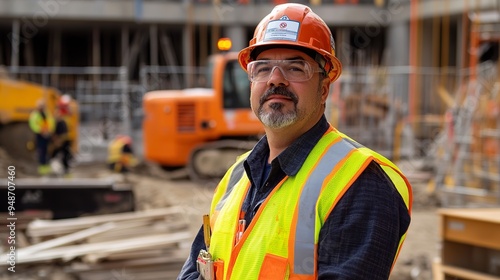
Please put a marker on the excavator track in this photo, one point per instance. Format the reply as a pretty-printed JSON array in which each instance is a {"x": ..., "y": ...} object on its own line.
[{"x": 211, "y": 160}]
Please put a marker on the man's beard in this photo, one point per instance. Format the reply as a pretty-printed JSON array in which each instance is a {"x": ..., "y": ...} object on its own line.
[{"x": 277, "y": 117}]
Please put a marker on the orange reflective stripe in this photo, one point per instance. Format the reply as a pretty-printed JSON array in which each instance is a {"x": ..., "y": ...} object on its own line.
[
  {"x": 400, "y": 182},
  {"x": 347, "y": 186},
  {"x": 44, "y": 127}
]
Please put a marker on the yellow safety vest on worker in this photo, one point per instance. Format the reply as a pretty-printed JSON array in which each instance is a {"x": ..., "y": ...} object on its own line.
[
  {"x": 39, "y": 125},
  {"x": 115, "y": 150},
  {"x": 281, "y": 241}
]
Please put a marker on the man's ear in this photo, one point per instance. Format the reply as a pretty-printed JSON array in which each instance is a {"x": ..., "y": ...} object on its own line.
[{"x": 325, "y": 89}]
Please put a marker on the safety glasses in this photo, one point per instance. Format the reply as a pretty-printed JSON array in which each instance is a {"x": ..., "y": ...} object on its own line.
[{"x": 296, "y": 70}]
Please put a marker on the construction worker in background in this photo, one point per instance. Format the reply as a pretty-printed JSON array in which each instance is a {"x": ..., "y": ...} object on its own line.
[
  {"x": 61, "y": 143},
  {"x": 307, "y": 202},
  {"x": 121, "y": 155},
  {"x": 42, "y": 124}
]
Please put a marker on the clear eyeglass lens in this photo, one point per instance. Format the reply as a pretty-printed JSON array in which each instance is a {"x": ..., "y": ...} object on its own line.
[{"x": 293, "y": 70}]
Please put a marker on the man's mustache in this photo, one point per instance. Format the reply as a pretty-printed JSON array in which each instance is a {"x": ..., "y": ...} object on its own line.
[{"x": 278, "y": 91}]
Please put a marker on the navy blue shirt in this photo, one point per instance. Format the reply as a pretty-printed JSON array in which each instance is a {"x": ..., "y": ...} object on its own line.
[{"x": 361, "y": 235}]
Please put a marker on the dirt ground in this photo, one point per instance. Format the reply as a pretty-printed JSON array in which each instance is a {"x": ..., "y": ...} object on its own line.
[{"x": 155, "y": 188}]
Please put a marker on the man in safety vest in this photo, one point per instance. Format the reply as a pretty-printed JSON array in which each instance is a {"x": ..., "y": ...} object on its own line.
[
  {"x": 307, "y": 202},
  {"x": 61, "y": 141},
  {"x": 120, "y": 154},
  {"x": 42, "y": 124}
]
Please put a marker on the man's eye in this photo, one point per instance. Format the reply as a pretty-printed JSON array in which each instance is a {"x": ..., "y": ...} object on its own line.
[
  {"x": 263, "y": 69},
  {"x": 294, "y": 68}
]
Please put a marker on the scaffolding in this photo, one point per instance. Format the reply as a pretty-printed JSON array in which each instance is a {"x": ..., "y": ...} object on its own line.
[{"x": 468, "y": 160}]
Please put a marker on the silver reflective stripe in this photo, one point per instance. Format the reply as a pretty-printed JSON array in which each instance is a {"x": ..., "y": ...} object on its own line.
[
  {"x": 354, "y": 143},
  {"x": 233, "y": 180},
  {"x": 304, "y": 233}
]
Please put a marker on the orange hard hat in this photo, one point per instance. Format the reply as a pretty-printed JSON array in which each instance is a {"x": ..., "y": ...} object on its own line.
[
  {"x": 294, "y": 26},
  {"x": 124, "y": 138}
]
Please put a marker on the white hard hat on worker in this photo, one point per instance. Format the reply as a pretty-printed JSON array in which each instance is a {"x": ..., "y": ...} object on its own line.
[{"x": 294, "y": 26}]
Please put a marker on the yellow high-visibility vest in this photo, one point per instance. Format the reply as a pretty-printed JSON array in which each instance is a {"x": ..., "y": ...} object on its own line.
[
  {"x": 40, "y": 125},
  {"x": 281, "y": 241},
  {"x": 115, "y": 150}
]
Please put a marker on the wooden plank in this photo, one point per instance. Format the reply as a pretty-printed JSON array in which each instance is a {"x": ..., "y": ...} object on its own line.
[
  {"x": 41, "y": 228},
  {"x": 480, "y": 227},
  {"x": 480, "y": 214},
  {"x": 437, "y": 271},
  {"x": 121, "y": 232},
  {"x": 67, "y": 239},
  {"x": 466, "y": 273},
  {"x": 68, "y": 253}
]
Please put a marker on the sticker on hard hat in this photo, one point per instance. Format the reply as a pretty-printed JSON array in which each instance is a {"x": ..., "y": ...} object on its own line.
[{"x": 282, "y": 30}]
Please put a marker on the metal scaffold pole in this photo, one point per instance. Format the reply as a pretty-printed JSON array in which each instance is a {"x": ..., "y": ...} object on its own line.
[{"x": 127, "y": 128}]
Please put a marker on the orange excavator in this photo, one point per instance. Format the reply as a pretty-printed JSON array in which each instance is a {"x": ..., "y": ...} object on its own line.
[{"x": 203, "y": 129}]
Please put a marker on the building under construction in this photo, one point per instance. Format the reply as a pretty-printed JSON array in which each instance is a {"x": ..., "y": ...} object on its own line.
[
  {"x": 413, "y": 69},
  {"x": 420, "y": 84}
]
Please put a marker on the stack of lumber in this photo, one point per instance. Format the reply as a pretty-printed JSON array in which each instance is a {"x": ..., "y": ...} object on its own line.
[{"x": 141, "y": 245}]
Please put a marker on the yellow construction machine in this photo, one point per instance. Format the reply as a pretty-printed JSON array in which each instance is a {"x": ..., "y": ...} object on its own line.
[
  {"x": 51, "y": 197},
  {"x": 17, "y": 100}
]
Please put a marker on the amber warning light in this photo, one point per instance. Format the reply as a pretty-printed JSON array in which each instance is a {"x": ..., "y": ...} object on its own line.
[{"x": 224, "y": 44}]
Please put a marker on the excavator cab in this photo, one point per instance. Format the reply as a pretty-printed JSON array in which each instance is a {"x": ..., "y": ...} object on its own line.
[{"x": 236, "y": 87}]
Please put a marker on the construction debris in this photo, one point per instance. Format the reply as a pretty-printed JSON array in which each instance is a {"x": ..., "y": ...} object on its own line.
[
  {"x": 467, "y": 161},
  {"x": 138, "y": 245}
]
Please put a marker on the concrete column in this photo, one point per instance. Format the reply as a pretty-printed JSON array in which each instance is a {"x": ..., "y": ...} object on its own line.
[
  {"x": 153, "y": 44},
  {"x": 398, "y": 44},
  {"x": 96, "y": 51},
  {"x": 461, "y": 36},
  {"x": 125, "y": 46},
  {"x": 204, "y": 43},
  {"x": 343, "y": 48},
  {"x": 188, "y": 53},
  {"x": 429, "y": 56},
  {"x": 16, "y": 41},
  {"x": 398, "y": 58},
  {"x": 96, "y": 46},
  {"x": 238, "y": 36},
  {"x": 54, "y": 53}
]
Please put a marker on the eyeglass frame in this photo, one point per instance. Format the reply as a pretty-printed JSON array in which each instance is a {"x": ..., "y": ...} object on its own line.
[{"x": 278, "y": 63}]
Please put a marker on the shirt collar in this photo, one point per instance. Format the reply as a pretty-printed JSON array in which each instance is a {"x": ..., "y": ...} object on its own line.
[{"x": 292, "y": 158}]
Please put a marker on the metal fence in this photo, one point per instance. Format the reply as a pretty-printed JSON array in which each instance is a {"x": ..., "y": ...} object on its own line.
[
  {"x": 172, "y": 77},
  {"x": 377, "y": 107},
  {"x": 370, "y": 104},
  {"x": 102, "y": 92},
  {"x": 454, "y": 122}
]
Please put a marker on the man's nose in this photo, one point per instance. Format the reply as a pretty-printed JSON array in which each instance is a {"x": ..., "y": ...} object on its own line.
[{"x": 277, "y": 77}]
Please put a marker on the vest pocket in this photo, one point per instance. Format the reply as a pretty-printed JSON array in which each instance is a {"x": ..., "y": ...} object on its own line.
[
  {"x": 273, "y": 267},
  {"x": 219, "y": 269}
]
